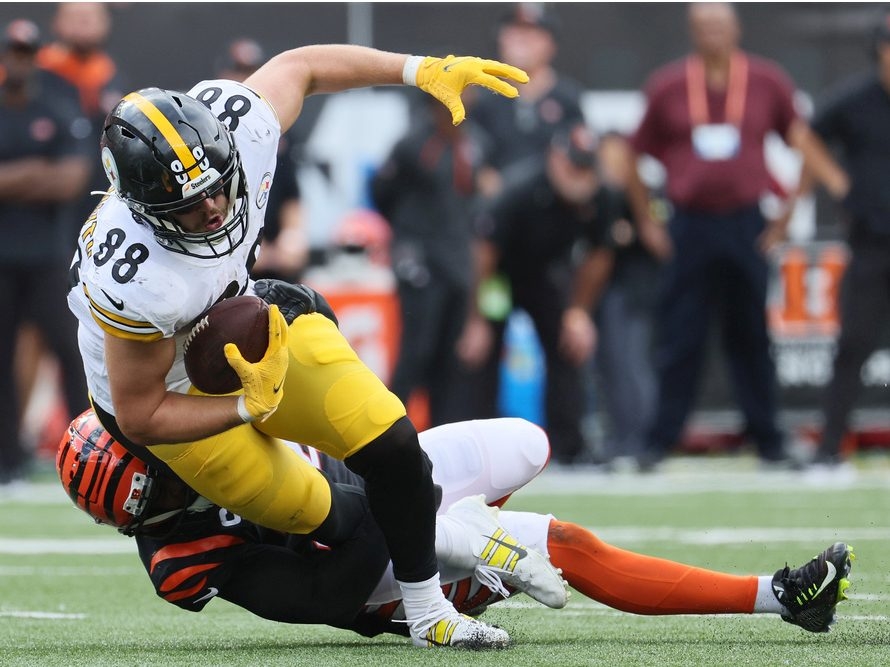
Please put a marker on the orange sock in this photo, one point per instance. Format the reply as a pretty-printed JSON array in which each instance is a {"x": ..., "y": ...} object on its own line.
[{"x": 644, "y": 584}]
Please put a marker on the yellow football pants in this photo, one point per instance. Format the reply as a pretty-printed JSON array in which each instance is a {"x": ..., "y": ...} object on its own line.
[{"x": 332, "y": 401}]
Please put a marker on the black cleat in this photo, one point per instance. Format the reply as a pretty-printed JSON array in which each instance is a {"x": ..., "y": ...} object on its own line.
[{"x": 811, "y": 592}]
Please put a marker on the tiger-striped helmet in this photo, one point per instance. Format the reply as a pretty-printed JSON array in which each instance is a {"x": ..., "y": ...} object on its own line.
[{"x": 101, "y": 476}]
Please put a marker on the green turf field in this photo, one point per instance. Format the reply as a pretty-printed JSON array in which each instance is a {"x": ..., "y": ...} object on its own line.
[{"x": 72, "y": 593}]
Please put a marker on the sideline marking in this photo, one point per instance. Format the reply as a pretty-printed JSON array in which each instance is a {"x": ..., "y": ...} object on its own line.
[
  {"x": 25, "y": 546},
  {"x": 613, "y": 534},
  {"x": 43, "y": 615}
]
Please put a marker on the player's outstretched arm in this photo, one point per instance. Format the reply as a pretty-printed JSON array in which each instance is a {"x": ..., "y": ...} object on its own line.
[{"x": 290, "y": 76}]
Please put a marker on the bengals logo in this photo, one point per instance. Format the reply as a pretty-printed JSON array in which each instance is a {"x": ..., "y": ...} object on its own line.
[{"x": 805, "y": 303}]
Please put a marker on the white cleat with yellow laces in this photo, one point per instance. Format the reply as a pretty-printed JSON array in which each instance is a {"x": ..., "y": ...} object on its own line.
[{"x": 501, "y": 559}]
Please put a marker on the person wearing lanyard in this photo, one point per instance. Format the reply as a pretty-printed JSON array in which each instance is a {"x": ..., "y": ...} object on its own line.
[{"x": 705, "y": 121}]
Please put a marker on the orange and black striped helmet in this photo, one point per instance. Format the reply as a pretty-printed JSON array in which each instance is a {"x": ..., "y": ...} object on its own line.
[{"x": 101, "y": 476}]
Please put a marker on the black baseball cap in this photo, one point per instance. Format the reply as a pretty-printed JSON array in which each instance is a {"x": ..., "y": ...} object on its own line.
[
  {"x": 22, "y": 34},
  {"x": 882, "y": 28},
  {"x": 533, "y": 14},
  {"x": 579, "y": 144},
  {"x": 242, "y": 55}
]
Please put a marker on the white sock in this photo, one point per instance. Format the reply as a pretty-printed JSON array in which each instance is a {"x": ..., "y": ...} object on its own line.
[
  {"x": 420, "y": 596},
  {"x": 766, "y": 602},
  {"x": 453, "y": 545}
]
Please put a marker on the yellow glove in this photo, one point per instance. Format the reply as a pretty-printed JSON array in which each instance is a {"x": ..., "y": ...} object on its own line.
[
  {"x": 446, "y": 78},
  {"x": 263, "y": 381}
]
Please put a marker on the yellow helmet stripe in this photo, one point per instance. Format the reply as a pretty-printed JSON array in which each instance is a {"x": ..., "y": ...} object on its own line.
[{"x": 177, "y": 143}]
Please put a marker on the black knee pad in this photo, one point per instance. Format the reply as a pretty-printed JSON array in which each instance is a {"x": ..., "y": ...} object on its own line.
[{"x": 395, "y": 452}]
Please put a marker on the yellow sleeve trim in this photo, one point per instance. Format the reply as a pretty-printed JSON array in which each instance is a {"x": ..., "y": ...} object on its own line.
[
  {"x": 120, "y": 326},
  {"x": 127, "y": 335}
]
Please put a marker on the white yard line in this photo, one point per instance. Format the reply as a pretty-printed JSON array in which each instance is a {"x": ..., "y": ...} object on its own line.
[
  {"x": 712, "y": 536},
  {"x": 42, "y": 615},
  {"x": 68, "y": 571},
  {"x": 679, "y": 475},
  {"x": 618, "y": 535},
  {"x": 687, "y": 476},
  {"x": 79, "y": 546}
]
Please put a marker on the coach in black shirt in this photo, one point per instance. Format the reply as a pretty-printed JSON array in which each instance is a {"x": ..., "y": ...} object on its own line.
[
  {"x": 425, "y": 189},
  {"x": 550, "y": 101},
  {"x": 528, "y": 235},
  {"x": 856, "y": 121},
  {"x": 43, "y": 167}
]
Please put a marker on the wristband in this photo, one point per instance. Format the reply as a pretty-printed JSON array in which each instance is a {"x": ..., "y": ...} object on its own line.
[
  {"x": 243, "y": 412},
  {"x": 409, "y": 71}
]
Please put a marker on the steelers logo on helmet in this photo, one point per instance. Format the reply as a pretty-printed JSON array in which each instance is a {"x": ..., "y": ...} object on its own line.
[
  {"x": 110, "y": 167},
  {"x": 170, "y": 152}
]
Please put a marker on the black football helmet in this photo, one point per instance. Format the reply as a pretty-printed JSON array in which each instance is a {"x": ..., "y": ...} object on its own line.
[
  {"x": 164, "y": 152},
  {"x": 111, "y": 485}
]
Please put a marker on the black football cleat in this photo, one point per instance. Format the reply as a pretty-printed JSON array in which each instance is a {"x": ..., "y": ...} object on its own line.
[{"x": 811, "y": 592}]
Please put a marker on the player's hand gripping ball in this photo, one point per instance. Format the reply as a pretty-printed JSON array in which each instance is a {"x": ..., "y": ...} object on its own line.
[{"x": 242, "y": 320}]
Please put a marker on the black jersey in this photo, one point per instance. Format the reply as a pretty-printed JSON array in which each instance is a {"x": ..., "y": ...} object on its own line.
[
  {"x": 535, "y": 231},
  {"x": 517, "y": 129},
  {"x": 425, "y": 189},
  {"x": 48, "y": 126},
  {"x": 855, "y": 119},
  {"x": 210, "y": 552}
]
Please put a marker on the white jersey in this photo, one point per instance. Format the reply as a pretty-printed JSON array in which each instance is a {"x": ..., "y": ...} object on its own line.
[{"x": 130, "y": 286}]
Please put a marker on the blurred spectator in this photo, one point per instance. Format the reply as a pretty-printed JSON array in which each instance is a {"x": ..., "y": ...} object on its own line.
[
  {"x": 285, "y": 246},
  {"x": 855, "y": 119},
  {"x": 424, "y": 189},
  {"x": 522, "y": 128},
  {"x": 528, "y": 234},
  {"x": 706, "y": 120},
  {"x": 513, "y": 134},
  {"x": 43, "y": 164},
  {"x": 78, "y": 55},
  {"x": 623, "y": 361}
]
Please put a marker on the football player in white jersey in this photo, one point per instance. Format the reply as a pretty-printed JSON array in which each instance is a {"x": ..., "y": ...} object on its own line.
[
  {"x": 176, "y": 233},
  {"x": 194, "y": 551}
]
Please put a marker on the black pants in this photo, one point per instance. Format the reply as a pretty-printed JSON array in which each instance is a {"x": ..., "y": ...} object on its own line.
[
  {"x": 865, "y": 305},
  {"x": 622, "y": 374},
  {"x": 564, "y": 398},
  {"x": 717, "y": 269},
  {"x": 432, "y": 319},
  {"x": 36, "y": 294}
]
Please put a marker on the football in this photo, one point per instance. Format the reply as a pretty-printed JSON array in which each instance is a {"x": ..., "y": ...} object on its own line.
[{"x": 242, "y": 320}]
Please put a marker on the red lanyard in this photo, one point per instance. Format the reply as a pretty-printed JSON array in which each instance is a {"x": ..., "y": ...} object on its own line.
[{"x": 696, "y": 90}]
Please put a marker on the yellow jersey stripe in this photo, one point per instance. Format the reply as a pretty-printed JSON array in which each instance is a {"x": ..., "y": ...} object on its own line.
[
  {"x": 120, "y": 319},
  {"x": 177, "y": 143},
  {"x": 123, "y": 333},
  {"x": 120, "y": 326}
]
